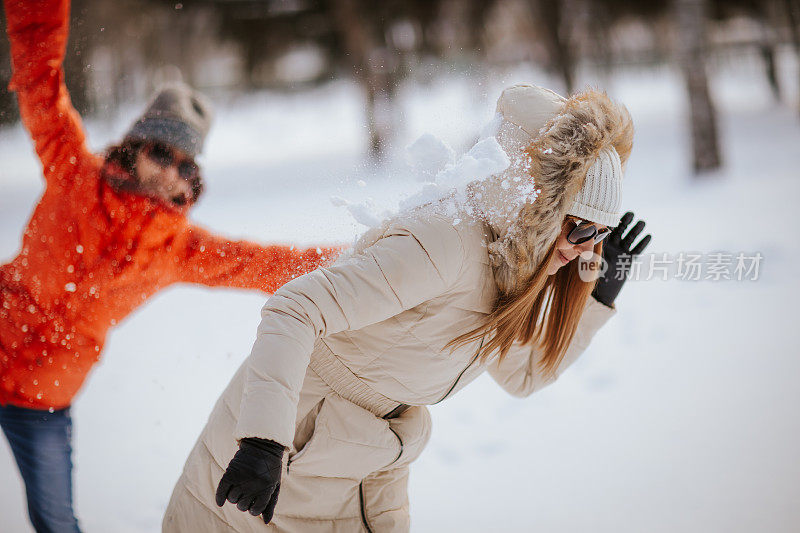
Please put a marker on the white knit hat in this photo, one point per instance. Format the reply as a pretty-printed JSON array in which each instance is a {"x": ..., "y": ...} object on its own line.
[
  {"x": 600, "y": 198},
  {"x": 528, "y": 108}
]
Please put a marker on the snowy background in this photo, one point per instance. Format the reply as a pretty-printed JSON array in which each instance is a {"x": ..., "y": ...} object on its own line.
[{"x": 681, "y": 415}]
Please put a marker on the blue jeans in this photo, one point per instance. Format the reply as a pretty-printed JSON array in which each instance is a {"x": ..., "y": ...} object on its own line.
[{"x": 42, "y": 445}]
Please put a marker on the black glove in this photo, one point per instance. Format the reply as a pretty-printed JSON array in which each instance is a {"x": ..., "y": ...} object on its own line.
[
  {"x": 615, "y": 246},
  {"x": 253, "y": 478}
]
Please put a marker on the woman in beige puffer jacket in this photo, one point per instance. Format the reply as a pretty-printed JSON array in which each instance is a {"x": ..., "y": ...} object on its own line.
[{"x": 346, "y": 358}]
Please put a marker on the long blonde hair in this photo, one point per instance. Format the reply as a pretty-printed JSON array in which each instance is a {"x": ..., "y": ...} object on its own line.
[{"x": 545, "y": 313}]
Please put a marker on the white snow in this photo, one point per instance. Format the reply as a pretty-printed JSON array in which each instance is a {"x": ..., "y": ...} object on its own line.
[
  {"x": 680, "y": 416},
  {"x": 434, "y": 164},
  {"x": 483, "y": 160},
  {"x": 364, "y": 212},
  {"x": 428, "y": 155}
]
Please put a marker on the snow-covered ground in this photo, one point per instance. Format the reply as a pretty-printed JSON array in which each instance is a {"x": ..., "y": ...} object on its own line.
[{"x": 679, "y": 417}]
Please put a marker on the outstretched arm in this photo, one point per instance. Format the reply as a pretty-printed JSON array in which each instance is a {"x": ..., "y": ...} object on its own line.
[
  {"x": 398, "y": 272},
  {"x": 38, "y": 32},
  {"x": 207, "y": 259},
  {"x": 519, "y": 373}
]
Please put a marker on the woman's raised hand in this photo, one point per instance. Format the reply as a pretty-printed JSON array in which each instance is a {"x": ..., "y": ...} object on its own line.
[{"x": 618, "y": 253}]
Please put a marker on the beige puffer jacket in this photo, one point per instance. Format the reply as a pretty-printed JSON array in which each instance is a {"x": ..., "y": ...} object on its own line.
[{"x": 342, "y": 347}]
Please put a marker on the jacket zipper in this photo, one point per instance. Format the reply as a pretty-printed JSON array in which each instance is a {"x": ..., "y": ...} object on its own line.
[
  {"x": 453, "y": 386},
  {"x": 361, "y": 498},
  {"x": 362, "y": 503},
  {"x": 400, "y": 453}
]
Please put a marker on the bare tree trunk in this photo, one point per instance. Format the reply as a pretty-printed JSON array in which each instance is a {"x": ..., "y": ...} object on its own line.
[
  {"x": 177, "y": 40},
  {"x": 692, "y": 52},
  {"x": 771, "y": 69},
  {"x": 793, "y": 12},
  {"x": 9, "y": 113},
  {"x": 76, "y": 60},
  {"x": 196, "y": 26},
  {"x": 371, "y": 69},
  {"x": 769, "y": 20},
  {"x": 553, "y": 22},
  {"x": 477, "y": 13},
  {"x": 599, "y": 25}
]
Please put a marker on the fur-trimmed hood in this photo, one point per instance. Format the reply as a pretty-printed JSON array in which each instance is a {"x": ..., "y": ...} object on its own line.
[{"x": 554, "y": 141}]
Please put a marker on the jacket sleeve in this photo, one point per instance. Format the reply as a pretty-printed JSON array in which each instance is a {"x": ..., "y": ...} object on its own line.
[
  {"x": 211, "y": 260},
  {"x": 398, "y": 272},
  {"x": 38, "y": 32},
  {"x": 518, "y": 373}
]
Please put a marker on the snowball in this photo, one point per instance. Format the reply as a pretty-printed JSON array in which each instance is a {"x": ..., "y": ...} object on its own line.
[
  {"x": 483, "y": 160},
  {"x": 430, "y": 193},
  {"x": 491, "y": 128},
  {"x": 443, "y": 175},
  {"x": 338, "y": 201},
  {"x": 363, "y": 213},
  {"x": 428, "y": 155}
]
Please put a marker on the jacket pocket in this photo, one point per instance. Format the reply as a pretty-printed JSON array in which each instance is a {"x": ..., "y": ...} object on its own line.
[
  {"x": 350, "y": 442},
  {"x": 413, "y": 429},
  {"x": 347, "y": 442}
]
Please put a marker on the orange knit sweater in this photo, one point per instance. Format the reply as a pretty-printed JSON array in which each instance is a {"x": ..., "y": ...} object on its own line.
[{"x": 90, "y": 254}]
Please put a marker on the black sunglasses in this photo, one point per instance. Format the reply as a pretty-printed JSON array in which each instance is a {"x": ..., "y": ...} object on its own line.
[
  {"x": 165, "y": 157},
  {"x": 585, "y": 230}
]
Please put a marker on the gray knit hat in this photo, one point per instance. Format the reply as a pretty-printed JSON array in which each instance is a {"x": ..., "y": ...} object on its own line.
[{"x": 178, "y": 116}]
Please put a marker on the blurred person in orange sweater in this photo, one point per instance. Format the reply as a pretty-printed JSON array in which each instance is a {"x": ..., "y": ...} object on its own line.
[{"x": 108, "y": 233}]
